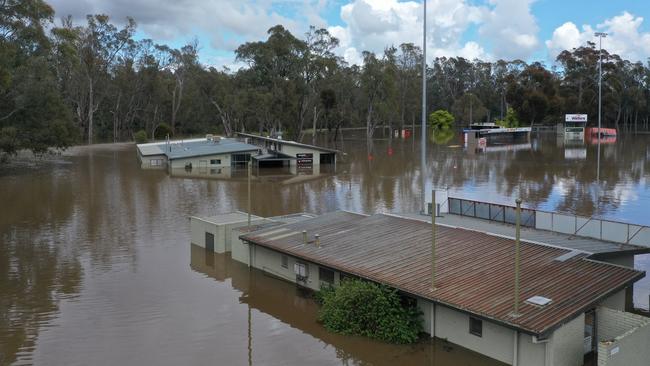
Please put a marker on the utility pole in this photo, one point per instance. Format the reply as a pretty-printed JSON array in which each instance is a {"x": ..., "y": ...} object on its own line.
[
  {"x": 424, "y": 104},
  {"x": 517, "y": 255},
  {"x": 433, "y": 239},
  {"x": 249, "y": 194}
]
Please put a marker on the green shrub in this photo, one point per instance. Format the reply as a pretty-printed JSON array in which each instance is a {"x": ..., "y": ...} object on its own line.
[
  {"x": 140, "y": 137},
  {"x": 510, "y": 121},
  {"x": 363, "y": 308},
  {"x": 441, "y": 119}
]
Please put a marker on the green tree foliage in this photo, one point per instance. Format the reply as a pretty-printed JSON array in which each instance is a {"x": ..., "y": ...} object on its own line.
[
  {"x": 61, "y": 83},
  {"x": 510, "y": 121},
  {"x": 33, "y": 114},
  {"x": 140, "y": 137},
  {"x": 469, "y": 109},
  {"x": 363, "y": 308},
  {"x": 441, "y": 119}
]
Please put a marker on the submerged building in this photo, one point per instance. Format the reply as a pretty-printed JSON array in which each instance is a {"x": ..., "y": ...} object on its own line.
[
  {"x": 214, "y": 152},
  {"x": 570, "y": 305}
]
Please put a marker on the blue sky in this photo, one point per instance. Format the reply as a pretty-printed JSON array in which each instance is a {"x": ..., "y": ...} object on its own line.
[{"x": 486, "y": 29}]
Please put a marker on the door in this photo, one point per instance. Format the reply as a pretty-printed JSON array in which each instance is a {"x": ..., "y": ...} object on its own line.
[{"x": 209, "y": 242}]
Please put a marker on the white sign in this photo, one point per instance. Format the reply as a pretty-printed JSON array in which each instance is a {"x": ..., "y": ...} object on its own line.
[
  {"x": 575, "y": 118},
  {"x": 614, "y": 351}
]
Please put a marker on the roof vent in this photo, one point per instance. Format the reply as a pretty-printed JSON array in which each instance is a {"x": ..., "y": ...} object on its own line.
[{"x": 539, "y": 300}]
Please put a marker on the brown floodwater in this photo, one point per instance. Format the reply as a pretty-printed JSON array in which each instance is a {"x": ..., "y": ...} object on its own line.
[{"x": 96, "y": 265}]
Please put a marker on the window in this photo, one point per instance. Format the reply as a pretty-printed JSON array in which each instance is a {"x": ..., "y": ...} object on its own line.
[
  {"x": 326, "y": 275},
  {"x": 301, "y": 270},
  {"x": 215, "y": 162},
  {"x": 476, "y": 326},
  {"x": 285, "y": 261},
  {"x": 155, "y": 162}
]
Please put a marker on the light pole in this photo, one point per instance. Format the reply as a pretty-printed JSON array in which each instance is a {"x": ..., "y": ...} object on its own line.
[
  {"x": 600, "y": 36},
  {"x": 424, "y": 106}
]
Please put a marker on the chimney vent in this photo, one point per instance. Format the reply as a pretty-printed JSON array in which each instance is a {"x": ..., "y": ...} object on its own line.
[{"x": 317, "y": 240}]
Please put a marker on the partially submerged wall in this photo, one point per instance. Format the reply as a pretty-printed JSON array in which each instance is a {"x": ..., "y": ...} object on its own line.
[{"x": 624, "y": 338}]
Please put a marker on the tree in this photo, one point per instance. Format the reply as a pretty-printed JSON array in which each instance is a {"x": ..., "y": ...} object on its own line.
[
  {"x": 510, "y": 121},
  {"x": 441, "y": 119},
  {"x": 469, "y": 109}
]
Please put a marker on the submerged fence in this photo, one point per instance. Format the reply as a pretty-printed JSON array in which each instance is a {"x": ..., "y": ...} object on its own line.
[{"x": 591, "y": 227}]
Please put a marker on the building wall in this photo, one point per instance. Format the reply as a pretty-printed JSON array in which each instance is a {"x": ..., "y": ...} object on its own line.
[
  {"x": 198, "y": 228},
  {"x": 239, "y": 249},
  {"x": 567, "y": 343},
  {"x": 563, "y": 348},
  {"x": 295, "y": 150},
  {"x": 197, "y": 161},
  {"x": 616, "y": 301},
  {"x": 533, "y": 354},
  {"x": 624, "y": 338},
  {"x": 146, "y": 161},
  {"x": 497, "y": 342}
]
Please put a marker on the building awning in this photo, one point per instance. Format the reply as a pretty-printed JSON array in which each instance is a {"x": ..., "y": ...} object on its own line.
[{"x": 276, "y": 156}]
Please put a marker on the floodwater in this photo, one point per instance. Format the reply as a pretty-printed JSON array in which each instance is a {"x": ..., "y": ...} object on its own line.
[{"x": 96, "y": 265}]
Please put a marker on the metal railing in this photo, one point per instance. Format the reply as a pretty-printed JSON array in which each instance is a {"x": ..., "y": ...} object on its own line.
[
  {"x": 490, "y": 211},
  {"x": 590, "y": 227}
]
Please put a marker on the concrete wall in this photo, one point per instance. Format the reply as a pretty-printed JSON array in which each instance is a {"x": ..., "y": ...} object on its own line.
[
  {"x": 563, "y": 348},
  {"x": 567, "y": 343},
  {"x": 616, "y": 301},
  {"x": 624, "y": 338},
  {"x": 223, "y": 233},
  {"x": 146, "y": 161},
  {"x": 294, "y": 150},
  {"x": 497, "y": 342},
  {"x": 202, "y": 161},
  {"x": 198, "y": 228}
]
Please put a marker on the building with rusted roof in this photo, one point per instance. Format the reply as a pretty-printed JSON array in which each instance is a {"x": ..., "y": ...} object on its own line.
[{"x": 473, "y": 300}]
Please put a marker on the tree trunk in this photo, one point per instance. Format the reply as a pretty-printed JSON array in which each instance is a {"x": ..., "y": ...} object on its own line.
[{"x": 90, "y": 111}]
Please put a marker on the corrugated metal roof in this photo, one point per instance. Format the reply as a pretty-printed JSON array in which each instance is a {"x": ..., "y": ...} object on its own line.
[
  {"x": 288, "y": 142},
  {"x": 475, "y": 270},
  {"x": 202, "y": 148},
  {"x": 150, "y": 149}
]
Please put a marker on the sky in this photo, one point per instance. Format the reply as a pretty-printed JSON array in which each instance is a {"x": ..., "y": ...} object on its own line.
[{"x": 530, "y": 30}]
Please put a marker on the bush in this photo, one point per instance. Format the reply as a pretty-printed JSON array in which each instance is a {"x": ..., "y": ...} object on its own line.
[
  {"x": 441, "y": 119},
  {"x": 162, "y": 130},
  {"x": 140, "y": 137},
  {"x": 363, "y": 308},
  {"x": 510, "y": 121}
]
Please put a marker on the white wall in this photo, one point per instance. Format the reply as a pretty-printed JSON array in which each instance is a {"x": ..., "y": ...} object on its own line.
[
  {"x": 196, "y": 161},
  {"x": 624, "y": 338},
  {"x": 616, "y": 301},
  {"x": 567, "y": 343},
  {"x": 145, "y": 161},
  {"x": 294, "y": 150}
]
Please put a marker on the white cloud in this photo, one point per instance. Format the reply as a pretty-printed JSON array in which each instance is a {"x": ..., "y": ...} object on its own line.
[
  {"x": 511, "y": 28},
  {"x": 625, "y": 37},
  {"x": 227, "y": 23},
  {"x": 374, "y": 25}
]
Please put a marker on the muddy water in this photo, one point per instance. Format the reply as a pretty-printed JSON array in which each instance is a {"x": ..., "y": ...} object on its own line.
[{"x": 96, "y": 265}]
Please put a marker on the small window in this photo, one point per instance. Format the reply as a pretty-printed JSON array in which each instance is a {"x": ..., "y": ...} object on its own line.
[
  {"x": 215, "y": 162},
  {"x": 326, "y": 275},
  {"x": 285, "y": 261},
  {"x": 476, "y": 326},
  {"x": 155, "y": 162}
]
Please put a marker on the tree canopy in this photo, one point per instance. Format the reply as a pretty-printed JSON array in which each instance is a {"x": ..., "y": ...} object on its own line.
[{"x": 63, "y": 83}]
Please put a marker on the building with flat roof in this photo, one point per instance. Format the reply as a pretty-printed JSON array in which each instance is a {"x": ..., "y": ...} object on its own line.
[
  {"x": 210, "y": 152},
  {"x": 289, "y": 152},
  {"x": 563, "y": 292}
]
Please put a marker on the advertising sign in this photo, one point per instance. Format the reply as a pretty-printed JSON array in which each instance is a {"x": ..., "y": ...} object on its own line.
[{"x": 575, "y": 118}]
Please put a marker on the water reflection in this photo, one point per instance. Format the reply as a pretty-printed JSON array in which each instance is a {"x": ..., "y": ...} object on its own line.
[
  {"x": 93, "y": 249},
  {"x": 297, "y": 312}
]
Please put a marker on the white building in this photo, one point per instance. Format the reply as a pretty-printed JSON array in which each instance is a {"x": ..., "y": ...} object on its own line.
[{"x": 567, "y": 304}]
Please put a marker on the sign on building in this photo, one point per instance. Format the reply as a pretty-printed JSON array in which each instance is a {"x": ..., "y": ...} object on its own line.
[{"x": 575, "y": 118}]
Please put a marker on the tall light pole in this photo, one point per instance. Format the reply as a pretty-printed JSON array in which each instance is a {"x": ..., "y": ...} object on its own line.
[
  {"x": 600, "y": 36},
  {"x": 424, "y": 106}
]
